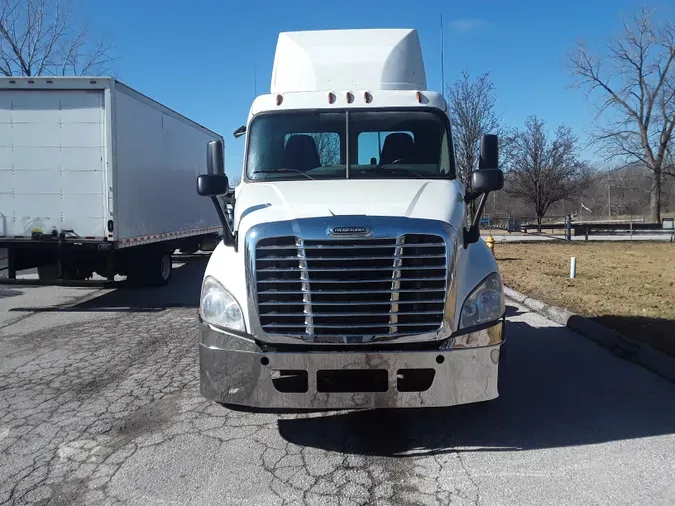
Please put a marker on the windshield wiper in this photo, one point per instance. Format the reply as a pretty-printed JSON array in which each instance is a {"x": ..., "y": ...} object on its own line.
[
  {"x": 394, "y": 169},
  {"x": 283, "y": 169}
]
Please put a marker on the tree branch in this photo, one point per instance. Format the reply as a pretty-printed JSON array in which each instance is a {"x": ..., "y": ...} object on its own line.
[{"x": 35, "y": 39}]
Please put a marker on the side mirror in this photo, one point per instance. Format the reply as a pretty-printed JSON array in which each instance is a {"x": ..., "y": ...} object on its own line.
[
  {"x": 487, "y": 180},
  {"x": 212, "y": 185},
  {"x": 215, "y": 159},
  {"x": 215, "y": 184},
  {"x": 489, "y": 152},
  {"x": 488, "y": 177}
]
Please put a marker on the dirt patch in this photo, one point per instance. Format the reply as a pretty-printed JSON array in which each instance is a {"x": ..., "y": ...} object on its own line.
[
  {"x": 150, "y": 418},
  {"x": 629, "y": 287}
]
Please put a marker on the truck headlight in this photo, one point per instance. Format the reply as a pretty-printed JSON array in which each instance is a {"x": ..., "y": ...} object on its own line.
[
  {"x": 485, "y": 303},
  {"x": 218, "y": 307}
]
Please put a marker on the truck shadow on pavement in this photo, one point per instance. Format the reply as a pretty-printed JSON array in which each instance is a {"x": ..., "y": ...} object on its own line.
[
  {"x": 182, "y": 291},
  {"x": 557, "y": 389},
  {"x": 6, "y": 292}
]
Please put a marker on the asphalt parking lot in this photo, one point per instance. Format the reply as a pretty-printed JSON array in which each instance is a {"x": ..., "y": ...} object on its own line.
[{"x": 99, "y": 404}]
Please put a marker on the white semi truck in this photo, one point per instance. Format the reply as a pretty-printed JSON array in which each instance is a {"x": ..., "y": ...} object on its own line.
[
  {"x": 95, "y": 178},
  {"x": 349, "y": 276}
]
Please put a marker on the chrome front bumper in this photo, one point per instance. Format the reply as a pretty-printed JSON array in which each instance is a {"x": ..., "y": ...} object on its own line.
[{"x": 234, "y": 370}]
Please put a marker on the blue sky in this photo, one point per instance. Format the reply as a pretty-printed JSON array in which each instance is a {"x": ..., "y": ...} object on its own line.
[{"x": 200, "y": 57}]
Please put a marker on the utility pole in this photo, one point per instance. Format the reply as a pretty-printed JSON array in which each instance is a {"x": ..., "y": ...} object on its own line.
[
  {"x": 609, "y": 192},
  {"x": 442, "y": 61}
]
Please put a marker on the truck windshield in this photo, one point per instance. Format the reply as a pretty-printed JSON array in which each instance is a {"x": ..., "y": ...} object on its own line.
[{"x": 383, "y": 144}]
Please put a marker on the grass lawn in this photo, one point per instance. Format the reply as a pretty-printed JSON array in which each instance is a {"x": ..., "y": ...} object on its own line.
[{"x": 629, "y": 287}]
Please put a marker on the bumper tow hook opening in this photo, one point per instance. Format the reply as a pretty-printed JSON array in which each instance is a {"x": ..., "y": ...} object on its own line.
[
  {"x": 290, "y": 381},
  {"x": 264, "y": 361},
  {"x": 414, "y": 380}
]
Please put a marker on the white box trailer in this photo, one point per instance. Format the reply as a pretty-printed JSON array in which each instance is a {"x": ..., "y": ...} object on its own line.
[{"x": 95, "y": 177}]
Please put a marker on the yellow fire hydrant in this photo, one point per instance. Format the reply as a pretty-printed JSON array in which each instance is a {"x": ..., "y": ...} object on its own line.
[{"x": 490, "y": 241}]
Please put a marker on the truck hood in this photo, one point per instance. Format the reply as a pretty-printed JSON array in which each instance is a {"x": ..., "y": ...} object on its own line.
[{"x": 291, "y": 200}]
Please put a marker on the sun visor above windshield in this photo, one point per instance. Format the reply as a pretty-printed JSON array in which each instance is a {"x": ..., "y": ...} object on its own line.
[{"x": 372, "y": 59}]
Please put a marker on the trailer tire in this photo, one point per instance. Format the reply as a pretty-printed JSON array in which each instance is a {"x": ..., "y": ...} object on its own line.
[
  {"x": 160, "y": 269},
  {"x": 77, "y": 274},
  {"x": 49, "y": 272},
  {"x": 151, "y": 268}
]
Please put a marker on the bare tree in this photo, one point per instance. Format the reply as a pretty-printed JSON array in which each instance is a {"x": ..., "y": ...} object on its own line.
[
  {"x": 624, "y": 189},
  {"x": 328, "y": 146},
  {"x": 42, "y": 37},
  {"x": 542, "y": 171},
  {"x": 636, "y": 79},
  {"x": 669, "y": 159},
  {"x": 472, "y": 109}
]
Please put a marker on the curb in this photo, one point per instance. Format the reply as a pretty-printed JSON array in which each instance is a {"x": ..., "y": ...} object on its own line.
[{"x": 642, "y": 354}]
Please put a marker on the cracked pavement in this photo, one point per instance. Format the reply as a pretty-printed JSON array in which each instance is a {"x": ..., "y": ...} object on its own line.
[{"x": 99, "y": 404}]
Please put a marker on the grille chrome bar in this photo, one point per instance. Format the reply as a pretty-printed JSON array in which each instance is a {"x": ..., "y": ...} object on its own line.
[
  {"x": 346, "y": 259},
  {"x": 349, "y": 326},
  {"x": 337, "y": 246},
  {"x": 384, "y": 313},
  {"x": 305, "y": 287},
  {"x": 354, "y": 303},
  {"x": 345, "y": 292},
  {"x": 347, "y": 269},
  {"x": 396, "y": 285},
  {"x": 358, "y": 281}
]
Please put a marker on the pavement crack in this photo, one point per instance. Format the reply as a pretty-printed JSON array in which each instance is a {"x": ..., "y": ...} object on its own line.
[{"x": 477, "y": 499}]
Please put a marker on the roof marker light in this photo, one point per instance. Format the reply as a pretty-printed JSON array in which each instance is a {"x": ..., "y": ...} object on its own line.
[
  {"x": 350, "y": 97},
  {"x": 367, "y": 97},
  {"x": 418, "y": 95},
  {"x": 279, "y": 99},
  {"x": 331, "y": 97}
]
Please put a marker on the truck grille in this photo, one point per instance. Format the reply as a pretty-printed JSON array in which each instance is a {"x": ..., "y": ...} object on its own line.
[{"x": 357, "y": 288}]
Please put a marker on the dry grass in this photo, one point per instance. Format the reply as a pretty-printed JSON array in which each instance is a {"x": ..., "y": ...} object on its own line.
[{"x": 629, "y": 287}]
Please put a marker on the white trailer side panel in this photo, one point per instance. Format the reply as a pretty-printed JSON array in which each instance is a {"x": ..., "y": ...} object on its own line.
[
  {"x": 52, "y": 161},
  {"x": 157, "y": 157}
]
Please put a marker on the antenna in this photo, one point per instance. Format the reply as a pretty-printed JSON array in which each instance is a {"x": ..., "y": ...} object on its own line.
[{"x": 442, "y": 61}]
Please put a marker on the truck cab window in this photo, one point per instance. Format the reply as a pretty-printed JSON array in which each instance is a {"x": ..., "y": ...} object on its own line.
[
  {"x": 311, "y": 150},
  {"x": 446, "y": 160},
  {"x": 296, "y": 145},
  {"x": 370, "y": 145}
]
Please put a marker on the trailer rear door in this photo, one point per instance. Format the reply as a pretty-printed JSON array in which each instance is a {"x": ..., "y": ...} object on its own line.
[{"x": 52, "y": 162}]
